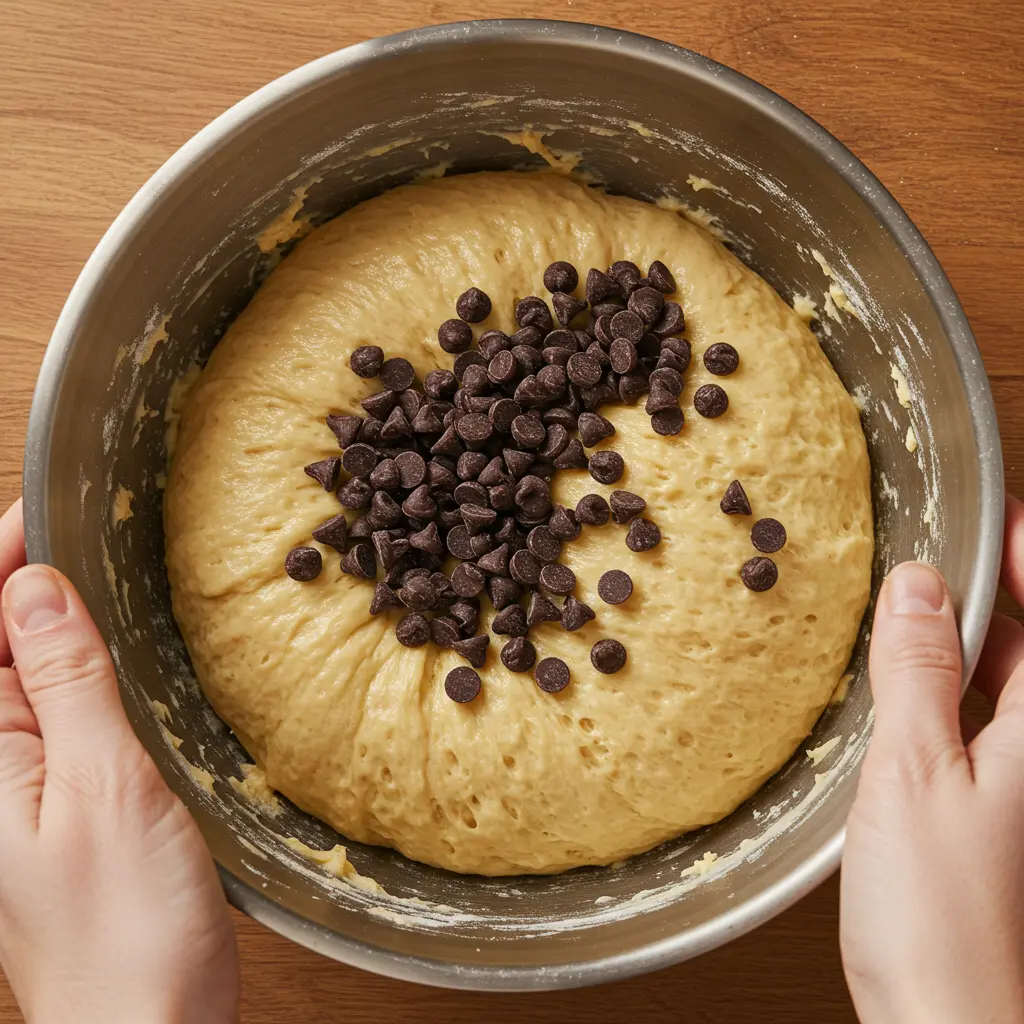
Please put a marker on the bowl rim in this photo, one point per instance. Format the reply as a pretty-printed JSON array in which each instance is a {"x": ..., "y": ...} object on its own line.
[{"x": 980, "y": 592}]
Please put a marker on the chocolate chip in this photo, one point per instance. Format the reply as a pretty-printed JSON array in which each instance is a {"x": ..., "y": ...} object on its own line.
[
  {"x": 502, "y": 368},
  {"x": 622, "y": 356},
  {"x": 510, "y": 621},
  {"x": 360, "y": 561},
  {"x": 563, "y": 524},
  {"x": 759, "y": 574},
  {"x": 366, "y": 361},
  {"x": 661, "y": 277},
  {"x": 626, "y": 273},
  {"x": 397, "y": 374},
  {"x": 419, "y": 572},
  {"x": 369, "y": 429},
  {"x": 603, "y": 331},
  {"x": 593, "y": 428},
  {"x": 418, "y": 593},
  {"x": 583, "y": 369},
  {"x": 555, "y": 443},
  {"x": 575, "y": 614},
  {"x": 734, "y": 502},
  {"x": 627, "y": 325},
  {"x": 427, "y": 421},
  {"x": 495, "y": 562},
  {"x": 501, "y": 497},
  {"x": 473, "y": 305},
  {"x": 455, "y": 336},
  {"x": 427, "y": 539},
  {"x": 355, "y": 494},
  {"x": 561, "y": 277},
  {"x": 573, "y": 457},
  {"x": 493, "y": 342},
  {"x": 566, "y": 307},
  {"x": 543, "y": 544},
  {"x": 467, "y": 579},
  {"x": 710, "y": 401},
  {"x": 608, "y": 656},
  {"x": 555, "y": 356},
  {"x": 614, "y": 586},
  {"x": 647, "y": 303},
  {"x": 528, "y": 431},
  {"x": 503, "y": 591},
  {"x": 592, "y": 510},
  {"x": 397, "y": 426},
  {"x": 721, "y": 359},
  {"x": 527, "y": 337},
  {"x": 385, "y": 476},
  {"x": 388, "y": 549},
  {"x": 533, "y": 312},
  {"x": 524, "y": 567},
  {"x": 557, "y": 578},
  {"x": 462, "y": 684},
  {"x": 670, "y": 321},
  {"x": 670, "y": 380},
  {"x": 359, "y": 459},
  {"x": 606, "y": 467},
  {"x": 325, "y": 472},
  {"x": 660, "y": 399},
  {"x": 597, "y": 352},
  {"x": 643, "y": 535},
  {"x": 667, "y": 422},
  {"x": 480, "y": 543},
  {"x": 533, "y": 496},
  {"x": 419, "y": 504},
  {"x": 440, "y": 477},
  {"x": 625, "y": 505},
  {"x": 470, "y": 492},
  {"x": 600, "y": 286},
  {"x": 303, "y": 564},
  {"x": 444, "y": 632},
  {"x": 362, "y": 528},
  {"x": 518, "y": 655},
  {"x": 768, "y": 535},
  {"x": 470, "y": 465},
  {"x": 475, "y": 429},
  {"x": 528, "y": 391},
  {"x": 412, "y": 630},
  {"x": 440, "y": 384},
  {"x": 333, "y": 532},
  {"x": 383, "y": 598},
  {"x": 503, "y": 413},
  {"x": 553, "y": 378},
  {"x": 474, "y": 650},
  {"x": 344, "y": 428},
  {"x": 477, "y": 517},
  {"x": 464, "y": 360},
  {"x": 447, "y": 444}
]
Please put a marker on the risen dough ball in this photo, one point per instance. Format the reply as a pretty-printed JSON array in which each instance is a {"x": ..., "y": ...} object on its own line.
[{"x": 721, "y": 684}]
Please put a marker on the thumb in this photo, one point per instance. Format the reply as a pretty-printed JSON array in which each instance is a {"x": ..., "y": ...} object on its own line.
[
  {"x": 915, "y": 667},
  {"x": 65, "y": 669}
]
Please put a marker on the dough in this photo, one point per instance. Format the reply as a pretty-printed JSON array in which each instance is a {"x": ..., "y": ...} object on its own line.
[{"x": 721, "y": 685}]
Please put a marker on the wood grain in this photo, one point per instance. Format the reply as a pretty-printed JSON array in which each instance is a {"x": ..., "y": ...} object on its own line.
[{"x": 95, "y": 96}]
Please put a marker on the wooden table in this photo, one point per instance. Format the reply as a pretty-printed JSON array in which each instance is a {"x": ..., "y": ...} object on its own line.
[{"x": 95, "y": 96}]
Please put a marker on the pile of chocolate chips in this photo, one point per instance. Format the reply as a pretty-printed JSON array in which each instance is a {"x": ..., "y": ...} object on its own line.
[
  {"x": 759, "y": 573},
  {"x": 462, "y": 465}
]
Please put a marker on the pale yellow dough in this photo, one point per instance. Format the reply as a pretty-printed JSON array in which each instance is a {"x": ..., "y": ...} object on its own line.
[{"x": 721, "y": 685}]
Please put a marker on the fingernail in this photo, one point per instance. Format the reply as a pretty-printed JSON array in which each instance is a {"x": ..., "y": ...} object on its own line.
[
  {"x": 34, "y": 599},
  {"x": 915, "y": 589}
]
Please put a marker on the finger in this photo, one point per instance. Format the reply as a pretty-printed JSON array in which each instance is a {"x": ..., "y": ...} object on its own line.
[
  {"x": 65, "y": 671},
  {"x": 915, "y": 667},
  {"x": 1002, "y": 653},
  {"x": 12, "y": 556},
  {"x": 21, "y": 756},
  {"x": 1012, "y": 575}
]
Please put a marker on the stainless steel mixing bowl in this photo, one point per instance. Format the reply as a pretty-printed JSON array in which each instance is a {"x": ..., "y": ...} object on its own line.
[{"x": 650, "y": 120}]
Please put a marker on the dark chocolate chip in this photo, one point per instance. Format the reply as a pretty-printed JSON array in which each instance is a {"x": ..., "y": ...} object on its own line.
[
  {"x": 679, "y": 347},
  {"x": 419, "y": 594},
  {"x": 480, "y": 543},
  {"x": 470, "y": 465},
  {"x": 627, "y": 325},
  {"x": 379, "y": 405},
  {"x": 474, "y": 650},
  {"x": 462, "y": 684},
  {"x": 606, "y": 467},
  {"x": 563, "y": 524},
  {"x": 609, "y": 307},
  {"x": 473, "y": 306},
  {"x": 553, "y": 379},
  {"x": 567, "y": 307},
  {"x": 670, "y": 380},
  {"x": 614, "y": 586},
  {"x": 583, "y": 370},
  {"x": 561, "y": 277},
  {"x": 444, "y": 632},
  {"x": 303, "y": 564},
  {"x": 593, "y": 428},
  {"x": 440, "y": 384},
  {"x": 533, "y": 496},
  {"x": 643, "y": 535},
  {"x": 554, "y": 356},
  {"x": 388, "y": 548},
  {"x": 477, "y": 517},
  {"x": 518, "y": 463},
  {"x": 501, "y": 497},
  {"x": 734, "y": 502},
  {"x": 541, "y": 609},
  {"x": 518, "y": 655},
  {"x": 552, "y": 675},
  {"x": 557, "y": 578},
  {"x": 721, "y": 359},
  {"x": 528, "y": 337},
  {"x": 561, "y": 338},
  {"x": 464, "y": 360},
  {"x": 440, "y": 477},
  {"x": 419, "y": 504},
  {"x": 524, "y": 567},
  {"x": 625, "y": 505},
  {"x": 710, "y": 401},
  {"x": 333, "y": 532},
  {"x": 667, "y": 422},
  {"x": 503, "y": 591},
  {"x": 359, "y": 459},
  {"x": 367, "y": 360},
  {"x": 383, "y": 598},
  {"x": 631, "y": 386},
  {"x": 493, "y": 342},
  {"x": 355, "y": 494},
  {"x": 759, "y": 574},
  {"x": 427, "y": 539},
  {"x": 574, "y": 457},
  {"x": 455, "y": 336},
  {"x": 325, "y": 472},
  {"x": 608, "y": 656},
  {"x": 469, "y": 492},
  {"x": 467, "y": 580},
  {"x": 661, "y": 277},
  {"x": 412, "y": 630},
  {"x": 626, "y": 273},
  {"x": 427, "y": 421},
  {"x": 447, "y": 444},
  {"x": 603, "y": 331},
  {"x": 528, "y": 431},
  {"x": 475, "y": 380},
  {"x": 600, "y": 286},
  {"x": 533, "y": 312},
  {"x": 396, "y": 426},
  {"x": 503, "y": 413},
  {"x": 768, "y": 535},
  {"x": 493, "y": 473},
  {"x": 596, "y": 351},
  {"x": 647, "y": 303},
  {"x": 385, "y": 476},
  {"x": 369, "y": 429},
  {"x": 622, "y": 356},
  {"x": 592, "y": 510},
  {"x": 543, "y": 544},
  {"x": 360, "y": 561},
  {"x": 575, "y": 614},
  {"x": 361, "y": 529},
  {"x": 397, "y": 374},
  {"x": 503, "y": 368},
  {"x": 559, "y": 415},
  {"x": 466, "y": 612},
  {"x": 345, "y": 428},
  {"x": 495, "y": 562},
  {"x": 510, "y": 621},
  {"x": 555, "y": 443},
  {"x": 475, "y": 429}
]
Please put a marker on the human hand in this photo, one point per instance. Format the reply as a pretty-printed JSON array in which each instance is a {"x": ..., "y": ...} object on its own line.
[
  {"x": 932, "y": 918},
  {"x": 110, "y": 906}
]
